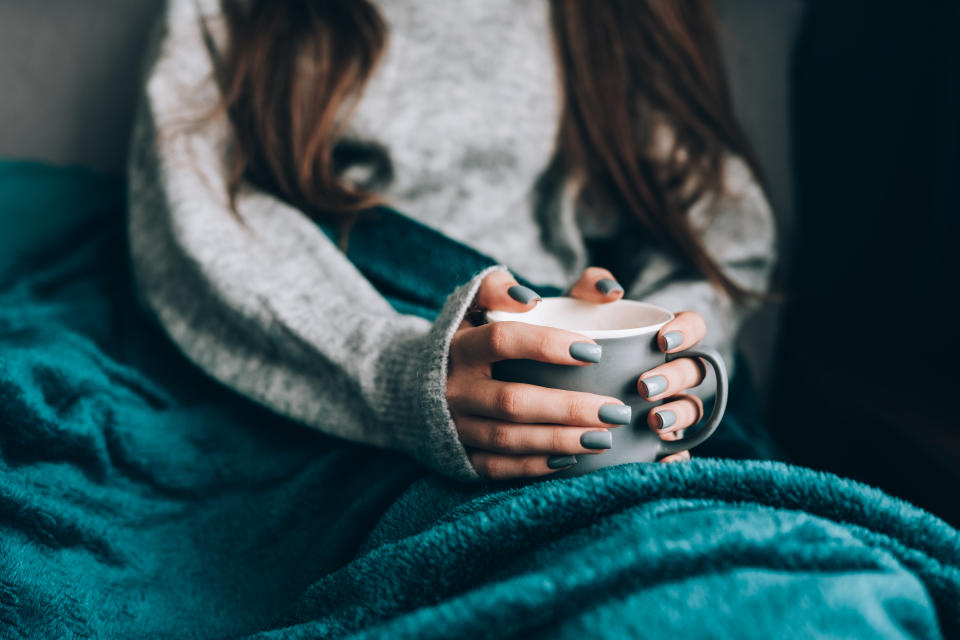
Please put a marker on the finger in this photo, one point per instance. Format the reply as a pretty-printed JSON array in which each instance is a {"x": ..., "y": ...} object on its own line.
[
  {"x": 529, "y": 404},
  {"x": 597, "y": 285},
  {"x": 507, "y": 340},
  {"x": 678, "y": 413},
  {"x": 683, "y": 456},
  {"x": 685, "y": 330},
  {"x": 497, "y": 466},
  {"x": 500, "y": 290},
  {"x": 670, "y": 378},
  {"x": 511, "y": 438}
]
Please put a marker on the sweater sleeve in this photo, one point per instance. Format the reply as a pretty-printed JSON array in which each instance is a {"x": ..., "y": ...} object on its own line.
[
  {"x": 737, "y": 230},
  {"x": 259, "y": 297}
]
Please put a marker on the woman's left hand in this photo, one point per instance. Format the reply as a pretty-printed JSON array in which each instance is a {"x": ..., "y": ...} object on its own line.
[{"x": 669, "y": 381}]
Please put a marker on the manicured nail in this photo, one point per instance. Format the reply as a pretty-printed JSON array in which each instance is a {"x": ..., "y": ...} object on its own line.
[
  {"x": 654, "y": 385},
  {"x": 596, "y": 440},
  {"x": 673, "y": 339},
  {"x": 558, "y": 462},
  {"x": 608, "y": 286},
  {"x": 615, "y": 413},
  {"x": 585, "y": 351},
  {"x": 523, "y": 294},
  {"x": 666, "y": 418}
]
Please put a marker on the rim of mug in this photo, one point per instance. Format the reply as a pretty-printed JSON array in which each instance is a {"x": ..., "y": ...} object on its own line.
[{"x": 593, "y": 334}]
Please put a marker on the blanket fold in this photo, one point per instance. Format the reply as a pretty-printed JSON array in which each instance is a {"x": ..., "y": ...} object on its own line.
[
  {"x": 140, "y": 499},
  {"x": 412, "y": 265}
]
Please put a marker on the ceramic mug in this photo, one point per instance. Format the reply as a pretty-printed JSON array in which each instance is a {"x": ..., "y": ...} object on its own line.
[{"x": 627, "y": 332}]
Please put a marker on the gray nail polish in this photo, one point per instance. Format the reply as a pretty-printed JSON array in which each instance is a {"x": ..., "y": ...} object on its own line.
[
  {"x": 522, "y": 294},
  {"x": 558, "y": 462},
  {"x": 585, "y": 351},
  {"x": 673, "y": 339},
  {"x": 615, "y": 413},
  {"x": 655, "y": 385},
  {"x": 608, "y": 286},
  {"x": 596, "y": 440},
  {"x": 666, "y": 418}
]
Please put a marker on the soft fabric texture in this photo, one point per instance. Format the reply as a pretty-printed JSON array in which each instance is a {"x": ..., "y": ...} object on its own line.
[
  {"x": 140, "y": 499},
  {"x": 264, "y": 301}
]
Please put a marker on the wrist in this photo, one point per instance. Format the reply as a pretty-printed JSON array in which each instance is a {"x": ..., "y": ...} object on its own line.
[{"x": 429, "y": 433}]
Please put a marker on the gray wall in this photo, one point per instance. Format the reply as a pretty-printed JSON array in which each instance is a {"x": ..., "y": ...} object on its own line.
[
  {"x": 68, "y": 77},
  {"x": 68, "y": 72},
  {"x": 758, "y": 38}
]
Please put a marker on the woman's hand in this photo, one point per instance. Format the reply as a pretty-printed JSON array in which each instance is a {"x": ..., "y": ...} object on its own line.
[
  {"x": 668, "y": 381},
  {"x": 514, "y": 430}
]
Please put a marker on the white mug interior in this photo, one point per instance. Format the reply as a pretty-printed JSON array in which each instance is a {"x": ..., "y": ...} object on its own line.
[{"x": 595, "y": 320}]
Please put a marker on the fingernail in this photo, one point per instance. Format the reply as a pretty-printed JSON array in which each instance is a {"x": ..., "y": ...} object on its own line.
[
  {"x": 585, "y": 351},
  {"x": 615, "y": 413},
  {"x": 558, "y": 462},
  {"x": 654, "y": 385},
  {"x": 522, "y": 294},
  {"x": 608, "y": 286},
  {"x": 666, "y": 418},
  {"x": 596, "y": 440},
  {"x": 673, "y": 339}
]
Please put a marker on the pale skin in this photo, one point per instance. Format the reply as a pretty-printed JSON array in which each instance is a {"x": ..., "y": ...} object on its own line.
[{"x": 511, "y": 430}]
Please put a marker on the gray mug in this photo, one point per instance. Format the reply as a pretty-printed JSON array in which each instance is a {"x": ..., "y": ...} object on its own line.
[{"x": 627, "y": 332}]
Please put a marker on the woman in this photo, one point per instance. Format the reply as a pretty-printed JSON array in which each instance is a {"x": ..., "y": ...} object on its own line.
[{"x": 549, "y": 135}]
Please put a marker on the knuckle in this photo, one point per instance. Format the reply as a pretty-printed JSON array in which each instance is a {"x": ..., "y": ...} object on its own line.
[
  {"x": 509, "y": 401},
  {"x": 483, "y": 464},
  {"x": 500, "y": 438},
  {"x": 687, "y": 372},
  {"x": 496, "y": 467},
  {"x": 544, "y": 342},
  {"x": 578, "y": 411},
  {"x": 478, "y": 463},
  {"x": 595, "y": 272},
  {"x": 678, "y": 373},
  {"x": 530, "y": 466},
  {"x": 498, "y": 338},
  {"x": 557, "y": 440}
]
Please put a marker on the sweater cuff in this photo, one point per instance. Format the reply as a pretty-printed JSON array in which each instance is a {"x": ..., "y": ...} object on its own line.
[{"x": 432, "y": 438}]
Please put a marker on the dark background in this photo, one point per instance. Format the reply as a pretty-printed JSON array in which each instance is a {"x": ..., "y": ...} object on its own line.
[
  {"x": 853, "y": 108},
  {"x": 867, "y": 364}
]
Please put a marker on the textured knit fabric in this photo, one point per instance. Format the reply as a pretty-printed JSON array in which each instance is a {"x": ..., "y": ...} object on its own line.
[
  {"x": 138, "y": 499},
  {"x": 463, "y": 111}
]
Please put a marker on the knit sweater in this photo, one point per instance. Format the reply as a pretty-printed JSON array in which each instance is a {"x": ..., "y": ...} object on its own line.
[{"x": 463, "y": 111}]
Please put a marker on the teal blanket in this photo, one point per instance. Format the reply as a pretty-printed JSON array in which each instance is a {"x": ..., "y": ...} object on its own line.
[{"x": 139, "y": 499}]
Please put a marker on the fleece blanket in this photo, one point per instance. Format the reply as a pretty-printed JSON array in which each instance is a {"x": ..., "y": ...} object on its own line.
[{"x": 139, "y": 499}]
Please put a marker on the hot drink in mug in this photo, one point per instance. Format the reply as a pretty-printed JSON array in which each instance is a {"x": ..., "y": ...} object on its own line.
[{"x": 627, "y": 332}]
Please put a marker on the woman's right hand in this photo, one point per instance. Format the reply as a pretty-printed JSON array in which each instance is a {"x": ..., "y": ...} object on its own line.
[{"x": 512, "y": 429}]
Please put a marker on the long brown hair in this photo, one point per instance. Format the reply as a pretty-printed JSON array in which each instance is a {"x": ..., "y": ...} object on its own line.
[{"x": 294, "y": 69}]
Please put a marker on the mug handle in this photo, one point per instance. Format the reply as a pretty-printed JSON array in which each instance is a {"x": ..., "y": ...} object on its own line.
[{"x": 668, "y": 447}]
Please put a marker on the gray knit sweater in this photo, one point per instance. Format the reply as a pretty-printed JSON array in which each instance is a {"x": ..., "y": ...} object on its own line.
[{"x": 464, "y": 111}]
